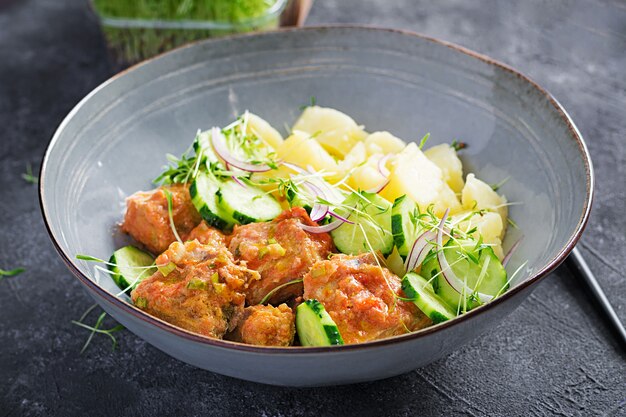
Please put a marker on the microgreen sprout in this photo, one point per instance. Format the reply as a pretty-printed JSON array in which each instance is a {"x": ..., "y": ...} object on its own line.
[
  {"x": 10, "y": 273},
  {"x": 312, "y": 103},
  {"x": 457, "y": 146},
  {"x": 424, "y": 140},
  {"x": 513, "y": 275},
  {"x": 178, "y": 169},
  {"x": 96, "y": 328},
  {"x": 496, "y": 187},
  {"x": 278, "y": 288},
  {"x": 376, "y": 258},
  {"x": 144, "y": 270},
  {"x": 170, "y": 214},
  {"x": 28, "y": 175},
  {"x": 90, "y": 258}
]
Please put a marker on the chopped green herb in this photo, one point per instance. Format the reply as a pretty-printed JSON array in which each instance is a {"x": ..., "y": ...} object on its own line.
[
  {"x": 197, "y": 284},
  {"x": 262, "y": 252}
]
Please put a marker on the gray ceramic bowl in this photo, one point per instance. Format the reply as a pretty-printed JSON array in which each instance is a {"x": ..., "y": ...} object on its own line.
[{"x": 113, "y": 143}]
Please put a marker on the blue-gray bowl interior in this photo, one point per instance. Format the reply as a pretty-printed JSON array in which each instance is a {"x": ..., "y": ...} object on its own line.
[{"x": 114, "y": 142}]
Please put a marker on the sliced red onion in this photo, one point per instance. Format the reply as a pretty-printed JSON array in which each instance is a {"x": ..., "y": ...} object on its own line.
[
  {"x": 420, "y": 249},
  {"x": 219, "y": 144},
  {"x": 508, "y": 255},
  {"x": 382, "y": 169},
  {"x": 447, "y": 272},
  {"x": 321, "y": 229},
  {"x": 295, "y": 167},
  {"x": 343, "y": 219},
  {"x": 382, "y": 166},
  {"x": 378, "y": 189},
  {"x": 234, "y": 177},
  {"x": 318, "y": 211}
]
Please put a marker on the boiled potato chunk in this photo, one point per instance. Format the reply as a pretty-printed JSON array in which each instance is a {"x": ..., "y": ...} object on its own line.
[
  {"x": 334, "y": 130},
  {"x": 416, "y": 176},
  {"x": 366, "y": 176},
  {"x": 264, "y": 131},
  {"x": 445, "y": 157},
  {"x": 354, "y": 158},
  {"x": 488, "y": 225},
  {"x": 395, "y": 263},
  {"x": 477, "y": 195},
  {"x": 383, "y": 142},
  {"x": 302, "y": 150}
]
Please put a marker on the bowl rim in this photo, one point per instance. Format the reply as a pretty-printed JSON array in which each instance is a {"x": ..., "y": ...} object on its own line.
[{"x": 299, "y": 350}]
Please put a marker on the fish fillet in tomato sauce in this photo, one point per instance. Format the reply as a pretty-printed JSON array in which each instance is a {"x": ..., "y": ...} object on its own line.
[
  {"x": 362, "y": 298},
  {"x": 207, "y": 235},
  {"x": 198, "y": 287},
  {"x": 280, "y": 251},
  {"x": 147, "y": 219},
  {"x": 266, "y": 325}
]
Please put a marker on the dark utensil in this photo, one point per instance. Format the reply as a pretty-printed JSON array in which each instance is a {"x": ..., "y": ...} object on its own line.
[{"x": 576, "y": 260}]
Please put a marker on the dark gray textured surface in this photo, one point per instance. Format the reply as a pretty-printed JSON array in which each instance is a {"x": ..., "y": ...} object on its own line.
[{"x": 553, "y": 356}]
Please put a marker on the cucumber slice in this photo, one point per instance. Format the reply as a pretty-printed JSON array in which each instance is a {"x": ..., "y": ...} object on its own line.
[
  {"x": 314, "y": 325},
  {"x": 404, "y": 224},
  {"x": 247, "y": 204},
  {"x": 130, "y": 266},
  {"x": 202, "y": 192},
  {"x": 467, "y": 262},
  {"x": 420, "y": 290},
  {"x": 299, "y": 200},
  {"x": 373, "y": 213},
  {"x": 202, "y": 143}
]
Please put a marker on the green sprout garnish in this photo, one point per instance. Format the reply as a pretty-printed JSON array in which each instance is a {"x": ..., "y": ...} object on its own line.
[
  {"x": 96, "y": 328},
  {"x": 10, "y": 273},
  {"x": 28, "y": 175},
  {"x": 170, "y": 214},
  {"x": 90, "y": 258},
  {"x": 496, "y": 187},
  {"x": 144, "y": 270},
  {"x": 457, "y": 146},
  {"x": 178, "y": 170},
  {"x": 278, "y": 288},
  {"x": 241, "y": 143},
  {"x": 424, "y": 140},
  {"x": 312, "y": 102}
]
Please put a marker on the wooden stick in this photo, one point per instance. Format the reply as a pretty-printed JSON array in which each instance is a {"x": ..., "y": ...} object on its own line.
[{"x": 296, "y": 12}]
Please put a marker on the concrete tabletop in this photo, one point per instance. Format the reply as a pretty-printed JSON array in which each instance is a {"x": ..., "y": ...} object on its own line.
[{"x": 553, "y": 356}]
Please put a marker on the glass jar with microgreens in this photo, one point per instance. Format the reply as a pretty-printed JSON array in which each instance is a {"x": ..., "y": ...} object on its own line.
[{"x": 138, "y": 29}]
